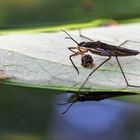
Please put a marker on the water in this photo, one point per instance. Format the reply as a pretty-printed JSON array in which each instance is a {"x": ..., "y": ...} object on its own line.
[
  {"x": 104, "y": 120},
  {"x": 33, "y": 114}
]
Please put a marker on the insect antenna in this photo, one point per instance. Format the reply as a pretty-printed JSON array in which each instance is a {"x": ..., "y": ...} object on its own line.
[
  {"x": 68, "y": 108},
  {"x": 63, "y": 103},
  {"x": 85, "y": 36},
  {"x": 70, "y": 37},
  {"x": 71, "y": 101}
]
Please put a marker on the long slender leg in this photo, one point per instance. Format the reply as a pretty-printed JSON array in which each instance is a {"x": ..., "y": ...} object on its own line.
[
  {"x": 70, "y": 57},
  {"x": 124, "y": 75},
  {"x": 75, "y": 54},
  {"x": 72, "y": 49},
  {"x": 127, "y": 41},
  {"x": 85, "y": 36},
  {"x": 123, "y": 43},
  {"x": 94, "y": 71}
]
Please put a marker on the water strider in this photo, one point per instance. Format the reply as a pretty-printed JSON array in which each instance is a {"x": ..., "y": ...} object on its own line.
[{"x": 102, "y": 49}]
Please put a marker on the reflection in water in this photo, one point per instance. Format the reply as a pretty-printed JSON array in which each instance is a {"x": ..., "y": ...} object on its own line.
[{"x": 104, "y": 120}]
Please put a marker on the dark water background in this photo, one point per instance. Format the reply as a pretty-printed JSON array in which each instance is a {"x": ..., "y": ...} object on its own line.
[{"x": 33, "y": 114}]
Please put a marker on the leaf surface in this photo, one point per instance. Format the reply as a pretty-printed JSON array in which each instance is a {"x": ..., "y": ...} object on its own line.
[{"x": 42, "y": 60}]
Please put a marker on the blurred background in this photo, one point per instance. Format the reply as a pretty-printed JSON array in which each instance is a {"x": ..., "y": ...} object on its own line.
[{"x": 19, "y": 13}]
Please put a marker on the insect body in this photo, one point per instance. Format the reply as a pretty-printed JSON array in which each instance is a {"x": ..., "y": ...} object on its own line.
[
  {"x": 90, "y": 96},
  {"x": 102, "y": 49}
]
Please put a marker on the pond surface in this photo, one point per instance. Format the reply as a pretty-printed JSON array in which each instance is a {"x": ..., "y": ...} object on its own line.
[
  {"x": 104, "y": 120},
  {"x": 32, "y": 114}
]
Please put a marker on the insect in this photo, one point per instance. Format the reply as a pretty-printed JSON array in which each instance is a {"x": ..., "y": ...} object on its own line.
[
  {"x": 87, "y": 61},
  {"x": 90, "y": 96},
  {"x": 102, "y": 49}
]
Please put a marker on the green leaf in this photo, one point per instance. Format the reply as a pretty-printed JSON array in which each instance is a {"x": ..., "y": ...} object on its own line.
[{"x": 41, "y": 60}]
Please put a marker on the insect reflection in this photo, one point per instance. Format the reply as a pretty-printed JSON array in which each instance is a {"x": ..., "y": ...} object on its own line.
[{"x": 91, "y": 96}]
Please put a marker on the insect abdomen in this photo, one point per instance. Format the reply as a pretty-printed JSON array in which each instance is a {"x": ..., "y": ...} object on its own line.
[
  {"x": 126, "y": 52},
  {"x": 111, "y": 50}
]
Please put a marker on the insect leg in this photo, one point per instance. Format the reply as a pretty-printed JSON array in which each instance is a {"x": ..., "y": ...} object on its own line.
[
  {"x": 94, "y": 71},
  {"x": 70, "y": 57},
  {"x": 123, "y": 43},
  {"x": 72, "y": 49},
  {"x": 124, "y": 75},
  {"x": 85, "y": 36},
  {"x": 127, "y": 41}
]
